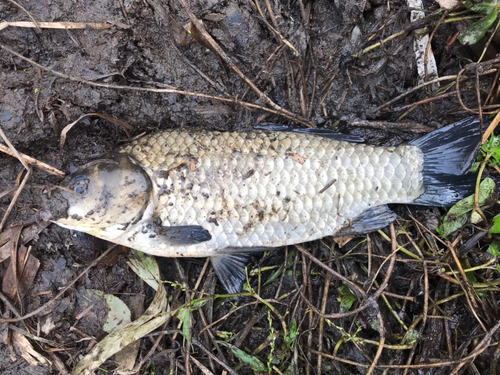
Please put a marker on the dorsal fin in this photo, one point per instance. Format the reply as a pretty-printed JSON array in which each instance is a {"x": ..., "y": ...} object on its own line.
[{"x": 325, "y": 133}]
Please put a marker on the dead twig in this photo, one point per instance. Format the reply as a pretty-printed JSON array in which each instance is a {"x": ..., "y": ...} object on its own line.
[
  {"x": 23, "y": 183},
  {"x": 29, "y": 160},
  {"x": 418, "y": 87},
  {"x": 63, "y": 25},
  {"x": 491, "y": 127}
]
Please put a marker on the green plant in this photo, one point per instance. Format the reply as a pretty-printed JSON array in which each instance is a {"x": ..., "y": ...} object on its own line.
[{"x": 475, "y": 32}]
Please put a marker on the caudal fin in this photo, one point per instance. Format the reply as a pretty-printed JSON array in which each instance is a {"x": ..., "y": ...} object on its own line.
[{"x": 449, "y": 153}]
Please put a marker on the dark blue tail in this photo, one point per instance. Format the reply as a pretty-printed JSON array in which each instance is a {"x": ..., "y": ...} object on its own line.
[{"x": 449, "y": 153}]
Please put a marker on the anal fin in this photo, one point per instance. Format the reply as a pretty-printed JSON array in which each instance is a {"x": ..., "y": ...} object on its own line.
[
  {"x": 370, "y": 220},
  {"x": 230, "y": 268}
]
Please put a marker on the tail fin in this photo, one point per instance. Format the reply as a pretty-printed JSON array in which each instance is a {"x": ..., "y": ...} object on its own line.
[{"x": 449, "y": 153}]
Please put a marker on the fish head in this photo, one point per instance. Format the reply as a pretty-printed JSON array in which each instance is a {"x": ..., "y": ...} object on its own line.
[{"x": 102, "y": 194}]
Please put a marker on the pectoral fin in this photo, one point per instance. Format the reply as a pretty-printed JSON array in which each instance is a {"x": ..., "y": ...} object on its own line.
[
  {"x": 369, "y": 221},
  {"x": 185, "y": 235},
  {"x": 175, "y": 235}
]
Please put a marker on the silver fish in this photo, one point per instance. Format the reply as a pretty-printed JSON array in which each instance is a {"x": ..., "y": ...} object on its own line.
[{"x": 224, "y": 195}]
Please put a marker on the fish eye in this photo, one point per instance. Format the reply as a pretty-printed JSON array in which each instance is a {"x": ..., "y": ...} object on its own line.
[{"x": 80, "y": 185}]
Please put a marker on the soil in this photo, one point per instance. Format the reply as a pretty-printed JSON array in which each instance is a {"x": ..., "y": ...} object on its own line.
[{"x": 149, "y": 47}]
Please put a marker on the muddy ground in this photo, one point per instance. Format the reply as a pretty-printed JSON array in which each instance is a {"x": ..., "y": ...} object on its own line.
[{"x": 320, "y": 81}]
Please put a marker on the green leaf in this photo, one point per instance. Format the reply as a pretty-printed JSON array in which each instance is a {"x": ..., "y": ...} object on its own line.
[
  {"x": 485, "y": 7},
  {"x": 118, "y": 314},
  {"x": 470, "y": 275},
  {"x": 457, "y": 215},
  {"x": 496, "y": 224},
  {"x": 250, "y": 360},
  {"x": 292, "y": 335},
  {"x": 145, "y": 267},
  {"x": 494, "y": 248},
  {"x": 346, "y": 298},
  {"x": 477, "y": 30},
  {"x": 184, "y": 315}
]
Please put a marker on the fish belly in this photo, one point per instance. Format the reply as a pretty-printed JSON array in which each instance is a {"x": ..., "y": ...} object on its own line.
[{"x": 268, "y": 189}]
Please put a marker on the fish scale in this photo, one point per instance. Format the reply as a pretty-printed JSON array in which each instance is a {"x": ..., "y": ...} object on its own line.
[{"x": 258, "y": 188}]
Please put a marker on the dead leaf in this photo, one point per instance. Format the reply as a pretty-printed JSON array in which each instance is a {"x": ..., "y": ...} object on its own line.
[
  {"x": 24, "y": 347},
  {"x": 27, "y": 234},
  {"x": 342, "y": 240},
  {"x": 126, "y": 127},
  {"x": 21, "y": 280},
  {"x": 125, "y": 359}
]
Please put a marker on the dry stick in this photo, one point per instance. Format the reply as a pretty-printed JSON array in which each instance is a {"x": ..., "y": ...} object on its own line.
[
  {"x": 413, "y": 89},
  {"x": 426, "y": 275},
  {"x": 281, "y": 111},
  {"x": 381, "y": 331},
  {"x": 216, "y": 85},
  {"x": 479, "y": 107},
  {"x": 383, "y": 285},
  {"x": 201, "y": 366},
  {"x": 49, "y": 304},
  {"x": 63, "y": 25},
  {"x": 305, "y": 281},
  {"x": 29, "y": 160},
  {"x": 263, "y": 70},
  {"x": 271, "y": 14},
  {"x": 459, "y": 97},
  {"x": 14, "y": 198},
  {"x": 201, "y": 28},
  {"x": 424, "y": 101},
  {"x": 12, "y": 149},
  {"x": 211, "y": 355},
  {"x": 479, "y": 349},
  {"x": 227, "y": 315},
  {"x": 466, "y": 286},
  {"x": 378, "y": 44},
  {"x": 490, "y": 93},
  {"x": 491, "y": 127},
  {"x": 322, "y": 320}
]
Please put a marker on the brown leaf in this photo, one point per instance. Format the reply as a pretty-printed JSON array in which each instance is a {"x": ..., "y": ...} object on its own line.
[
  {"x": 27, "y": 267},
  {"x": 342, "y": 240},
  {"x": 24, "y": 347}
]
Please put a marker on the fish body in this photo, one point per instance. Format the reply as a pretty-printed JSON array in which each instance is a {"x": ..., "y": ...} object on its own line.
[
  {"x": 265, "y": 189},
  {"x": 199, "y": 193}
]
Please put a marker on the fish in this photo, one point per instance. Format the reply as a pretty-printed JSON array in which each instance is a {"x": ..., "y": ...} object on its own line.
[{"x": 227, "y": 195}]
